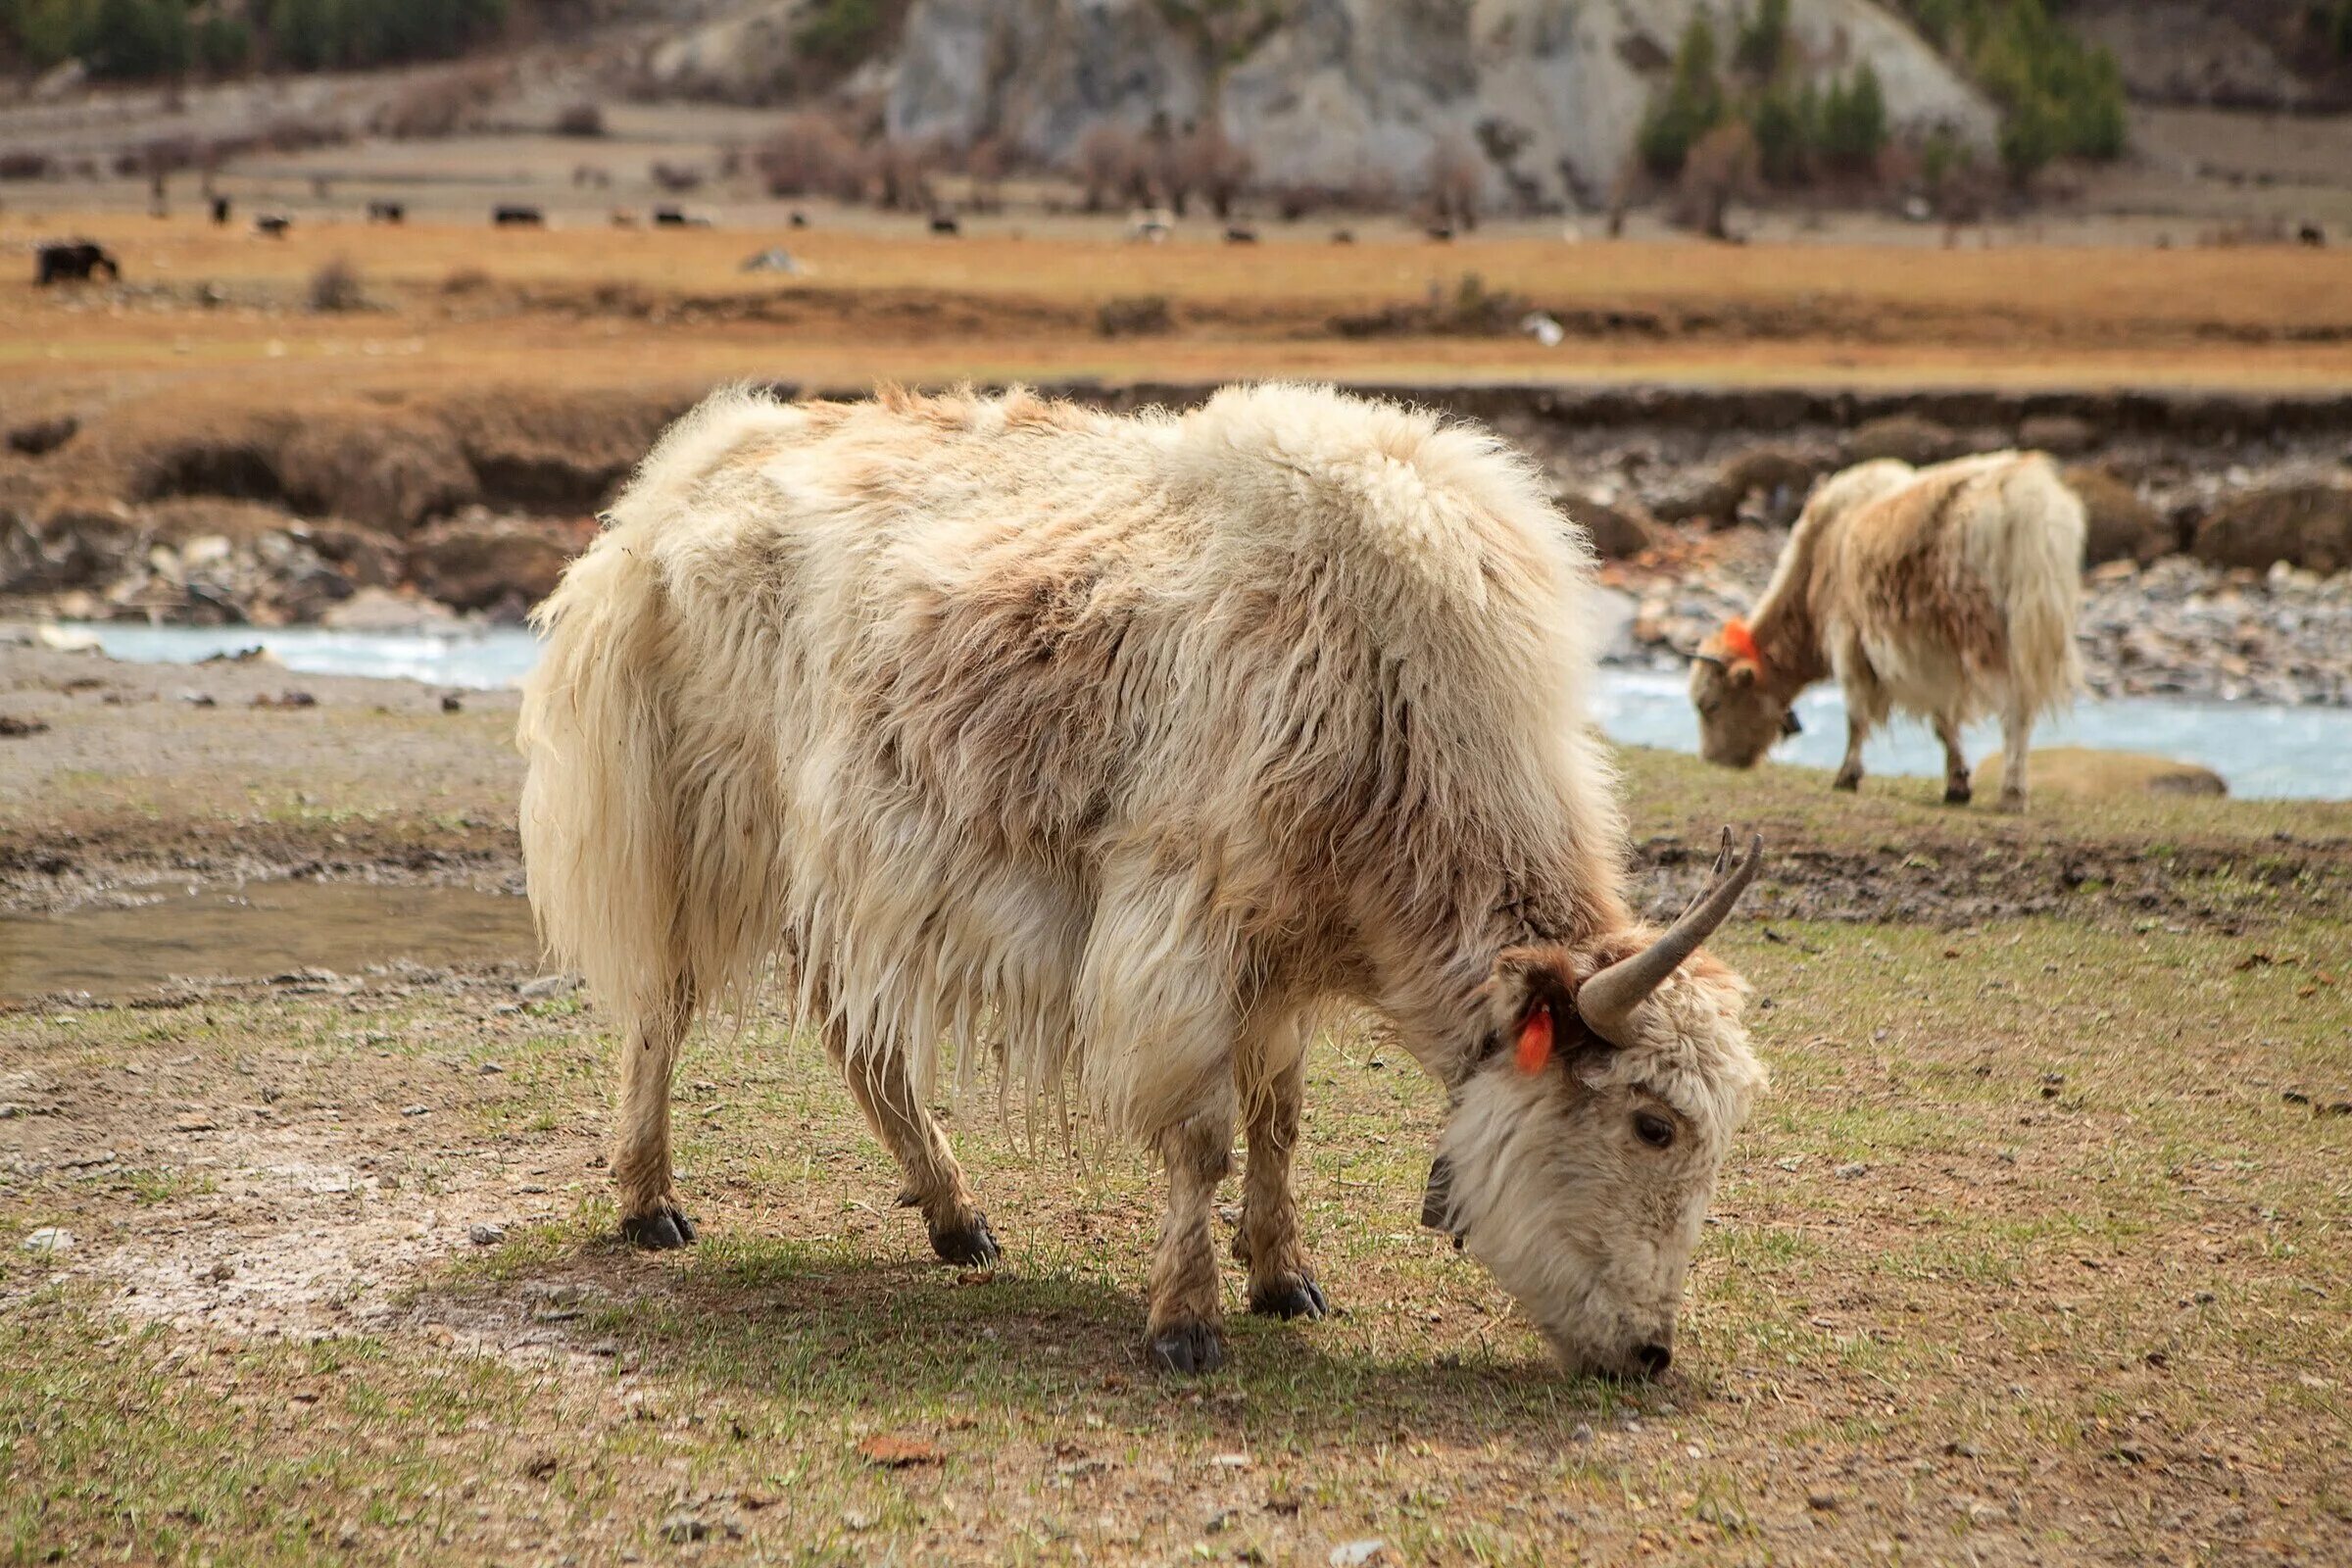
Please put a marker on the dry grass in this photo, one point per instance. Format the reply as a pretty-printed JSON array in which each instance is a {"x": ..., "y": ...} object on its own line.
[{"x": 995, "y": 306}]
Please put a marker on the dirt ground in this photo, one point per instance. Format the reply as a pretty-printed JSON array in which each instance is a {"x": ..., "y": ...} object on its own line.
[{"x": 2037, "y": 1251}]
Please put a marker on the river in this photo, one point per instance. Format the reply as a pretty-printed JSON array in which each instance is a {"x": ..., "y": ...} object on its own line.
[{"x": 2264, "y": 752}]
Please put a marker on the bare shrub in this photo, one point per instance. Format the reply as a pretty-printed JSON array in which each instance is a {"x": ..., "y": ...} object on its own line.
[
  {"x": 1452, "y": 177},
  {"x": 580, "y": 120},
  {"x": 1216, "y": 167},
  {"x": 292, "y": 133},
  {"x": 676, "y": 179},
  {"x": 810, "y": 156},
  {"x": 336, "y": 287},
  {"x": 24, "y": 165},
  {"x": 1721, "y": 169},
  {"x": 902, "y": 175},
  {"x": 1112, "y": 168},
  {"x": 1135, "y": 316},
  {"x": 986, "y": 163},
  {"x": 465, "y": 280},
  {"x": 444, "y": 105}
]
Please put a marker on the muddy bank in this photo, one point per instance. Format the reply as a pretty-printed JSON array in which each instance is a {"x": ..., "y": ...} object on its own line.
[
  {"x": 128, "y": 781},
  {"x": 132, "y": 777}
]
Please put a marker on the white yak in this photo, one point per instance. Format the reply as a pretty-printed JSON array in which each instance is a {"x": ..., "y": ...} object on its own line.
[
  {"x": 1947, "y": 592},
  {"x": 1124, "y": 751}
]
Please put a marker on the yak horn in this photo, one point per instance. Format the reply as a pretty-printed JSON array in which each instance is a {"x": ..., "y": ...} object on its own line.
[{"x": 1609, "y": 1000}]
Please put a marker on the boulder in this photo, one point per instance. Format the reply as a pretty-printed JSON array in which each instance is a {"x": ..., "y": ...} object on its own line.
[
  {"x": 382, "y": 610},
  {"x": 73, "y": 541},
  {"x": 1618, "y": 531},
  {"x": 38, "y": 437},
  {"x": 2118, "y": 525},
  {"x": 2093, "y": 774},
  {"x": 1781, "y": 477},
  {"x": 474, "y": 566},
  {"x": 368, "y": 557},
  {"x": 1905, "y": 437},
  {"x": 2061, "y": 435},
  {"x": 183, "y": 518},
  {"x": 2307, "y": 524}
]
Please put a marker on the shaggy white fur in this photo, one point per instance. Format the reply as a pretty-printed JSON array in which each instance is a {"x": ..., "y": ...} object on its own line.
[
  {"x": 1117, "y": 749},
  {"x": 1947, "y": 592}
]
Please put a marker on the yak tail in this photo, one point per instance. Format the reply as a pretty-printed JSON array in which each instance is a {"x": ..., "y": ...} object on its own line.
[
  {"x": 599, "y": 813},
  {"x": 2043, "y": 593}
]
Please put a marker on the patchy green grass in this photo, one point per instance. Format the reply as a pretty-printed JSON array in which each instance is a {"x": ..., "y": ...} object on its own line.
[{"x": 2036, "y": 1250}]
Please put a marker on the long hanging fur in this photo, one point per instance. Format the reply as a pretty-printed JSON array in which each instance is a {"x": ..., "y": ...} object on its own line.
[
  {"x": 1958, "y": 582},
  {"x": 1116, "y": 746}
]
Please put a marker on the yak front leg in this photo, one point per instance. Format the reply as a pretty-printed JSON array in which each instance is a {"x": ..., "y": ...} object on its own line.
[
  {"x": 1280, "y": 1282},
  {"x": 935, "y": 1184},
  {"x": 651, "y": 1213},
  {"x": 1186, "y": 1333},
  {"x": 1955, "y": 766}
]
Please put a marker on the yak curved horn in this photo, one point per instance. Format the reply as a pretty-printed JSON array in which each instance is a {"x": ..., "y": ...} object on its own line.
[{"x": 1609, "y": 1000}]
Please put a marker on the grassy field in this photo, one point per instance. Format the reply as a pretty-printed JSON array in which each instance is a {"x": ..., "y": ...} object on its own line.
[
  {"x": 2036, "y": 1252},
  {"x": 223, "y": 311}
]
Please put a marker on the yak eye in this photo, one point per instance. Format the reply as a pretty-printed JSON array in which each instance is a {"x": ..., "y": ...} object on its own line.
[{"x": 1653, "y": 1129}]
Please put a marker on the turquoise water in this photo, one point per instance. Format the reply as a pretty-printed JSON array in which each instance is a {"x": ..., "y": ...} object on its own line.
[{"x": 2281, "y": 752}]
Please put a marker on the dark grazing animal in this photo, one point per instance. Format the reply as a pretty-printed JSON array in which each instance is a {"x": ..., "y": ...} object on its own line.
[
  {"x": 273, "y": 224},
  {"x": 510, "y": 214},
  {"x": 75, "y": 261},
  {"x": 383, "y": 212}
]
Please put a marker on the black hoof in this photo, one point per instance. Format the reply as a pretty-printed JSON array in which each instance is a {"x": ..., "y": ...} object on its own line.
[
  {"x": 974, "y": 1245},
  {"x": 1188, "y": 1348},
  {"x": 658, "y": 1232},
  {"x": 1955, "y": 795},
  {"x": 1849, "y": 785},
  {"x": 1301, "y": 1297}
]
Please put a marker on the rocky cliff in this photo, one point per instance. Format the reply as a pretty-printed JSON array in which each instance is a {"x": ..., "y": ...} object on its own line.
[
  {"x": 1548, "y": 92},
  {"x": 1545, "y": 95}
]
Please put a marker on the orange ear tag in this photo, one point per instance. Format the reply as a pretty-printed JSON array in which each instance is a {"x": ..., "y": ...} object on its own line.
[
  {"x": 1535, "y": 1039},
  {"x": 1741, "y": 641}
]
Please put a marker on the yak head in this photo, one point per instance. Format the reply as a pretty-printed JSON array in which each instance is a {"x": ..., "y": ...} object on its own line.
[
  {"x": 1590, "y": 1122},
  {"x": 1739, "y": 715}
]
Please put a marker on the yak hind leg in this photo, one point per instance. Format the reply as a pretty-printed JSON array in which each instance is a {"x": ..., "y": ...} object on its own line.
[
  {"x": 1850, "y": 771},
  {"x": 652, "y": 1215},
  {"x": 2017, "y": 740},
  {"x": 1280, "y": 1284},
  {"x": 1187, "y": 1332},
  {"x": 905, "y": 1126},
  {"x": 1955, "y": 766}
]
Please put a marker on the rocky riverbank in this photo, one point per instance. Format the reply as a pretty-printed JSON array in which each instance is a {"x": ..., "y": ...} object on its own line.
[{"x": 2220, "y": 553}]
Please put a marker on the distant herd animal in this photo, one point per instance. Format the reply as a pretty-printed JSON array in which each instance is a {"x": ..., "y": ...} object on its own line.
[
  {"x": 1947, "y": 592},
  {"x": 516, "y": 215},
  {"x": 73, "y": 260},
  {"x": 1115, "y": 755}
]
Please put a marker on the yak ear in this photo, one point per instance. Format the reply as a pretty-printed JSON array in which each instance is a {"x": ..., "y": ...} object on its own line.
[{"x": 1532, "y": 1008}]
